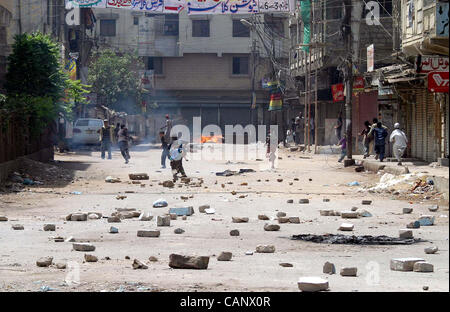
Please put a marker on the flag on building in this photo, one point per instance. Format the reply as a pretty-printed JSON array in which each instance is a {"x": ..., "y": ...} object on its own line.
[
  {"x": 276, "y": 102},
  {"x": 71, "y": 69}
]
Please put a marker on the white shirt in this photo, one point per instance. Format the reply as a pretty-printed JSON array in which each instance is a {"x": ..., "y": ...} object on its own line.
[{"x": 399, "y": 138}]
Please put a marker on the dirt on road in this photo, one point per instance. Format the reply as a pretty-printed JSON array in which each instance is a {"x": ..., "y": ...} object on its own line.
[{"x": 75, "y": 182}]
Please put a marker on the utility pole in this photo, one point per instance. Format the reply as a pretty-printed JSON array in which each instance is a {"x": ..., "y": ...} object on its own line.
[
  {"x": 253, "y": 99},
  {"x": 348, "y": 74}
]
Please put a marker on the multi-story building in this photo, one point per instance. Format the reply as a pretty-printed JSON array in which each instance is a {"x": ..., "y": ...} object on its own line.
[
  {"x": 203, "y": 65},
  {"x": 421, "y": 78},
  {"x": 328, "y": 53}
]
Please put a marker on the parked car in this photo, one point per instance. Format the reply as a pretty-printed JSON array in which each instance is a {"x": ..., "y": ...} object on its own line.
[{"x": 85, "y": 131}]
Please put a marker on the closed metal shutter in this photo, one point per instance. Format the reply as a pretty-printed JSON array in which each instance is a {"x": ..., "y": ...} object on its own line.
[{"x": 432, "y": 129}]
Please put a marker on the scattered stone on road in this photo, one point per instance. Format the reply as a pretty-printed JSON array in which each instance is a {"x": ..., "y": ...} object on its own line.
[
  {"x": 423, "y": 266},
  {"x": 148, "y": 233},
  {"x": 290, "y": 201},
  {"x": 138, "y": 176},
  {"x": 329, "y": 268},
  {"x": 425, "y": 287},
  {"x": 312, "y": 284},
  {"x": 281, "y": 214},
  {"x": 83, "y": 247},
  {"x": 146, "y": 216},
  {"x": 407, "y": 210},
  {"x": 114, "y": 219},
  {"x": 404, "y": 264},
  {"x": 188, "y": 262},
  {"x": 413, "y": 225},
  {"x": 239, "y": 219},
  {"x": 183, "y": 211},
  {"x": 263, "y": 217},
  {"x": 283, "y": 220},
  {"x": 404, "y": 233},
  {"x": 265, "y": 248},
  {"x": 178, "y": 231},
  {"x": 354, "y": 208},
  {"x": 168, "y": 184},
  {"x": 326, "y": 212},
  {"x": 366, "y": 202},
  {"x": 349, "y": 214},
  {"x": 78, "y": 217},
  {"x": 349, "y": 271},
  {"x": 139, "y": 265},
  {"x": 173, "y": 216},
  {"x": 431, "y": 250},
  {"x": 364, "y": 214},
  {"x": 61, "y": 266},
  {"x": 90, "y": 258},
  {"x": 17, "y": 227},
  {"x": 271, "y": 227},
  {"x": 433, "y": 208},
  {"x": 113, "y": 230},
  {"x": 286, "y": 265},
  {"x": 225, "y": 256},
  {"x": 184, "y": 218},
  {"x": 346, "y": 227},
  {"x": 93, "y": 216},
  {"x": 326, "y": 200},
  {"x": 163, "y": 221},
  {"x": 304, "y": 201},
  {"x": 3, "y": 218},
  {"x": 249, "y": 253},
  {"x": 44, "y": 262},
  {"x": 234, "y": 233},
  {"x": 153, "y": 259},
  {"x": 49, "y": 227},
  {"x": 294, "y": 220},
  {"x": 202, "y": 208}
]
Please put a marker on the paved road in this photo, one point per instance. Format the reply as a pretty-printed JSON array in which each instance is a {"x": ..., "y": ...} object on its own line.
[{"x": 319, "y": 177}]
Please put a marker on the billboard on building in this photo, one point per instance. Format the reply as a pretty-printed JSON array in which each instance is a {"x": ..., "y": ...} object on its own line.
[{"x": 438, "y": 82}]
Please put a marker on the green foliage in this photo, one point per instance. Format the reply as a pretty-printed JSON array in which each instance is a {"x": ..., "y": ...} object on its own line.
[
  {"x": 37, "y": 88},
  {"x": 116, "y": 79}
]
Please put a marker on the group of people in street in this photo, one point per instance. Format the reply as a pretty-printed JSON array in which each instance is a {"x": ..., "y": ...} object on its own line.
[
  {"x": 297, "y": 129},
  {"x": 376, "y": 133},
  {"x": 110, "y": 135}
]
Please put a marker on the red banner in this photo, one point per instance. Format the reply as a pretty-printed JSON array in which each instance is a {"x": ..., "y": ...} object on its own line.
[
  {"x": 338, "y": 92},
  {"x": 358, "y": 84},
  {"x": 438, "y": 81}
]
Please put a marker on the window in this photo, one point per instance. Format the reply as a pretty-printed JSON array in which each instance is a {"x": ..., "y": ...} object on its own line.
[
  {"x": 95, "y": 123},
  {"x": 240, "y": 65},
  {"x": 274, "y": 24},
  {"x": 155, "y": 64},
  {"x": 108, "y": 27},
  {"x": 135, "y": 20},
  {"x": 240, "y": 30},
  {"x": 171, "y": 24},
  {"x": 200, "y": 28}
]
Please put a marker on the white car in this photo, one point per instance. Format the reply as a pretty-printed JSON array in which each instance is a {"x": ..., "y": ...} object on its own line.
[{"x": 85, "y": 131}]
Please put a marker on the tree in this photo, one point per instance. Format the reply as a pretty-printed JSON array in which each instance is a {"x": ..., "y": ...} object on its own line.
[
  {"x": 116, "y": 79},
  {"x": 37, "y": 88}
]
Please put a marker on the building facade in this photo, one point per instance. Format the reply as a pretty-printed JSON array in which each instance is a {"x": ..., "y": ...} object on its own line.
[{"x": 202, "y": 65}]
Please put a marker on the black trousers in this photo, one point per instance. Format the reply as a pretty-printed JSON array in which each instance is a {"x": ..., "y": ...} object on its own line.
[{"x": 177, "y": 167}]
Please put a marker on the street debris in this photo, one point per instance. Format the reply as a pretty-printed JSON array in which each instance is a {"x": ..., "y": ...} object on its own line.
[
  {"x": 422, "y": 266},
  {"x": 404, "y": 264},
  {"x": 163, "y": 220},
  {"x": 90, "y": 258},
  {"x": 178, "y": 231},
  {"x": 405, "y": 234},
  {"x": 3, "y": 218},
  {"x": 346, "y": 227},
  {"x": 113, "y": 230},
  {"x": 431, "y": 250},
  {"x": 304, "y": 201},
  {"x": 225, "y": 256},
  {"x": 271, "y": 227},
  {"x": 234, "y": 233},
  {"x": 148, "y": 233},
  {"x": 312, "y": 284},
  {"x": 349, "y": 271},
  {"x": 228, "y": 173},
  {"x": 354, "y": 240},
  {"x": 188, "y": 262},
  {"x": 265, "y": 248},
  {"x": 49, "y": 227},
  {"x": 329, "y": 268},
  {"x": 17, "y": 227},
  {"x": 183, "y": 211},
  {"x": 426, "y": 220},
  {"x": 138, "y": 176},
  {"x": 139, "y": 265},
  {"x": 239, "y": 219},
  {"x": 110, "y": 179},
  {"x": 83, "y": 247},
  {"x": 44, "y": 262}
]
